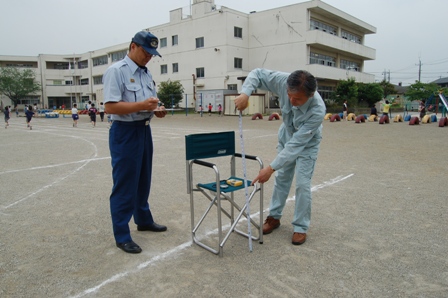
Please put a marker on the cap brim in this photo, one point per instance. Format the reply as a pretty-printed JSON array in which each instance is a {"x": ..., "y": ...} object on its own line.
[{"x": 152, "y": 51}]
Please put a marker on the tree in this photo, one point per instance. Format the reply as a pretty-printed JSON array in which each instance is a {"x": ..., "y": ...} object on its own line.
[
  {"x": 170, "y": 93},
  {"x": 419, "y": 90},
  {"x": 347, "y": 90},
  {"x": 388, "y": 88},
  {"x": 17, "y": 83},
  {"x": 370, "y": 93}
]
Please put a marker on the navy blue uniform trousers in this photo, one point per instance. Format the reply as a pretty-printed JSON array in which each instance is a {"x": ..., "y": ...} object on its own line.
[{"x": 131, "y": 151}]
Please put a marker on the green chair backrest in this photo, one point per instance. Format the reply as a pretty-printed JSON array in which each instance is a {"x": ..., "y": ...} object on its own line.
[{"x": 208, "y": 145}]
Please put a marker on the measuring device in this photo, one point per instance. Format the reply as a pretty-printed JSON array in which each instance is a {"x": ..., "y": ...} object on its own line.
[{"x": 246, "y": 191}]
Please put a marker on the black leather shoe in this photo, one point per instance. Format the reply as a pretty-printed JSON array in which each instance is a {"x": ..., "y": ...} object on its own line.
[
  {"x": 153, "y": 228},
  {"x": 130, "y": 247}
]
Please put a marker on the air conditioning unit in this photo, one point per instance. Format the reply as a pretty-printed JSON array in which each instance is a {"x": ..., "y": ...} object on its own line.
[{"x": 199, "y": 83}]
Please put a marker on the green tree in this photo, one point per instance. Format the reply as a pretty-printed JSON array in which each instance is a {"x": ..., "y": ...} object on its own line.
[
  {"x": 17, "y": 83},
  {"x": 347, "y": 90},
  {"x": 419, "y": 90},
  {"x": 370, "y": 93},
  {"x": 170, "y": 93},
  {"x": 387, "y": 87}
]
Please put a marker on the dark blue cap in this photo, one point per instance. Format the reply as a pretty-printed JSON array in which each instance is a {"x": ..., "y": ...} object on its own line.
[{"x": 147, "y": 41}]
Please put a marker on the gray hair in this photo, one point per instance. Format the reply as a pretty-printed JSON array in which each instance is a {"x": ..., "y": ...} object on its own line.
[{"x": 302, "y": 80}]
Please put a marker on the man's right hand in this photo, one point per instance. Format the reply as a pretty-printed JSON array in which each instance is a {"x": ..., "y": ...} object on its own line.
[
  {"x": 150, "y": 104},
  {"x": 241, "y": 101}
]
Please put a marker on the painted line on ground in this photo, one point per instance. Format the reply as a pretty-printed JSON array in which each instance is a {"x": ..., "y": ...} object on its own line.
[{"x": 182, "y": 246}]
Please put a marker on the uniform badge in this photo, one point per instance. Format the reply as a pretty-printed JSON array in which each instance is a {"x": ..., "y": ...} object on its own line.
[{"x": 132, "y": 81}]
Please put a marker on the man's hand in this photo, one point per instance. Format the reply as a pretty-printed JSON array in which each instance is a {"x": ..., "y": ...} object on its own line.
[
  {"x": 160, "y": 112},
  {"x": 263, "y": 175},
  {"x": 150, "y": 104},
  {"x": 241, "y": 101}
]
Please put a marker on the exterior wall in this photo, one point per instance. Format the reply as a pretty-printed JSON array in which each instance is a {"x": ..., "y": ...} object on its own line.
[{"x": 278, "y": 39}]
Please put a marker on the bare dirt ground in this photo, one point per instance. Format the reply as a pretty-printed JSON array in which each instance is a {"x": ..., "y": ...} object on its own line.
[{"x": 378, "y": 229}]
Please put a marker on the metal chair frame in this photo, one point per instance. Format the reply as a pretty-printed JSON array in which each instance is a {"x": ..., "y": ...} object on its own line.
[{"x": 210, "y": 145}]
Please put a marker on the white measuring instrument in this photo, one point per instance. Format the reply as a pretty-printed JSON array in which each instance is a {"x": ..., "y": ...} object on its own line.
[{"x": 246, "y": 191}]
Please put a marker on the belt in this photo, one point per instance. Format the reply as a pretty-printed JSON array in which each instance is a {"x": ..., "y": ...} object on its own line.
[{"x": 144, "y": 122}]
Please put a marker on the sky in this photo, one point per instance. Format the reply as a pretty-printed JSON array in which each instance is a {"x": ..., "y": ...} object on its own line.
[{"x": 409, "y": 33}]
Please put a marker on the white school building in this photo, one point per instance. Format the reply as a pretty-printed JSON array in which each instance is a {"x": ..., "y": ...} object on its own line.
[{"x": 211, "y": 49}]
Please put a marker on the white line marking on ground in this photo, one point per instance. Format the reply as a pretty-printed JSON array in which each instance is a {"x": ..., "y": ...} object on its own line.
[
  {"x": 60, "y": 179},
  {"x": 178, "y": 248},
  {"x": 54, "y": 166}
]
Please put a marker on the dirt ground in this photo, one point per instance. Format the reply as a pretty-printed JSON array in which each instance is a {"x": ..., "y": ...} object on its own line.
[{"x": 378, "y": 229}]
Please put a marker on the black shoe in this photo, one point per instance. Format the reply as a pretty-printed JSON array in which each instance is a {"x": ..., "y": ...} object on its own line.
[
  {"x": 130, "y": 247},
  {"x": 152, "y": 227}
]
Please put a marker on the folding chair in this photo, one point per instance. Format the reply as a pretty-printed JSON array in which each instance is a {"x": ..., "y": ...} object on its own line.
[{"x": 215, "y": 145}]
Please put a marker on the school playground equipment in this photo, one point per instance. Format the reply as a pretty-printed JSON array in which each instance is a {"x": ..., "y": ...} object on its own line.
[{"x": 437, "y": 104}]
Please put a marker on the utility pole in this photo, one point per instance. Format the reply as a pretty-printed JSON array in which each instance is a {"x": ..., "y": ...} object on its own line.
[
  {"x": 386, "y": 74},
  {"x": 419, "y": 69}
]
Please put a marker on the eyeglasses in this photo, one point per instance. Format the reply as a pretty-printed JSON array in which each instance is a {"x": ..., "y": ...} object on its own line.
[{"x": 143, "y": 49}]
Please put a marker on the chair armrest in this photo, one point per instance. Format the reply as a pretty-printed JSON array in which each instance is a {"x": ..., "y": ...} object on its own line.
[
  {"x": 253, "y": 157},
  {"x": 203, "y": 163}
]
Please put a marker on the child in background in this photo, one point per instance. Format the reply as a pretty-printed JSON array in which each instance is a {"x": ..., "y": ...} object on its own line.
[
  {"x": 75, "y": 115},
  {"x": 92, "y": 114},
  {"x": 210, "y": 109},
  {"x": 29, "y": 115},
  {"x": 101, "y": 110},
  {"x": 7, "y": 116}
]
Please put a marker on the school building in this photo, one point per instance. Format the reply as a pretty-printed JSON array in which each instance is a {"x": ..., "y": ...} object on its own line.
[{"x": 211, "y": 49}]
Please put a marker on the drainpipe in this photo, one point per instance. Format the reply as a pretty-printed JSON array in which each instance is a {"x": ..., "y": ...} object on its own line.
[{"x": 194, "y": 88}]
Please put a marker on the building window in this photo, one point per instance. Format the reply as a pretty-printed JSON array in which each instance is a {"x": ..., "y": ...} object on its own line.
[
  {"x": 175, "y": 67},
  {"x": 82, "y": 64},
  {"x": 349, "y": 65},
  {"x": 24, "y": 65},
  {"x": 326, "y": 92},
  {"x": 318, "y": 25},
  {"x": 174, "y": 40},
  {"x": 68, "y": 82},
  {"x": 163, "y": 42},
  {"x": 99, "y": 60},
  {"x": 61, "y": 65},
  {"x": 316, "y": 58},
  {"x": 238, "y": 62},
  {"x": 231, "y": 87},
  {"x": 238, "y": 32},
  {"x": 98, "y": 80},
  {"x": 57, "y": 82},
  {"x": 200, "y": 72},
  {"x": 350, "y": 36},
  {"x": 199, "y": 42},
  {"x": 85, "y": 81},
  {"x": 163, "y": 69},
  {"x": 117, "y": 56}
]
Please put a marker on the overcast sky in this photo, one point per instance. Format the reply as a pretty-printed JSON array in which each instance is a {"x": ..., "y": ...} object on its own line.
[{"x": 407, "y": 31}]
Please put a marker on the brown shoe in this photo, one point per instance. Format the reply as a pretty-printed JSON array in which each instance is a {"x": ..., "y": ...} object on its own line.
[
  {"x": 270, "y": 224},
  {"x": 298, "y": 238}
]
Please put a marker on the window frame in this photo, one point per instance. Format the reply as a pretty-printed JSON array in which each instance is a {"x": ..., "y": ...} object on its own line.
[
  {"x": 200, "y": 72},
  {"x": 200, "y": 42}
]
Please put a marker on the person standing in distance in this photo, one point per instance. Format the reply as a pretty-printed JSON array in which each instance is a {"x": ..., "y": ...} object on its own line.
[
  {"x": 344, "y": 110},
  {"x": 299, "y": 138},
  {"x": 131, "y": 99},
  {"x": 7, "y": 112},
  {"x": 75, "y": 115}
]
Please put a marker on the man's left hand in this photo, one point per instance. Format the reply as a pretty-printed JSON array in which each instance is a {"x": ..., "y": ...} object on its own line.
[
  {"x": 263, "y": 175},
  {"x": 160, "y": 112}
]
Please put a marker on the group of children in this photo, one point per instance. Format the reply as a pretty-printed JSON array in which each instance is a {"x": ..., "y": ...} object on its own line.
[
  {"x": 92, "y": 114},
  {"x": 210, "y": 107},
  {"x": 29, "y": 113}
]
